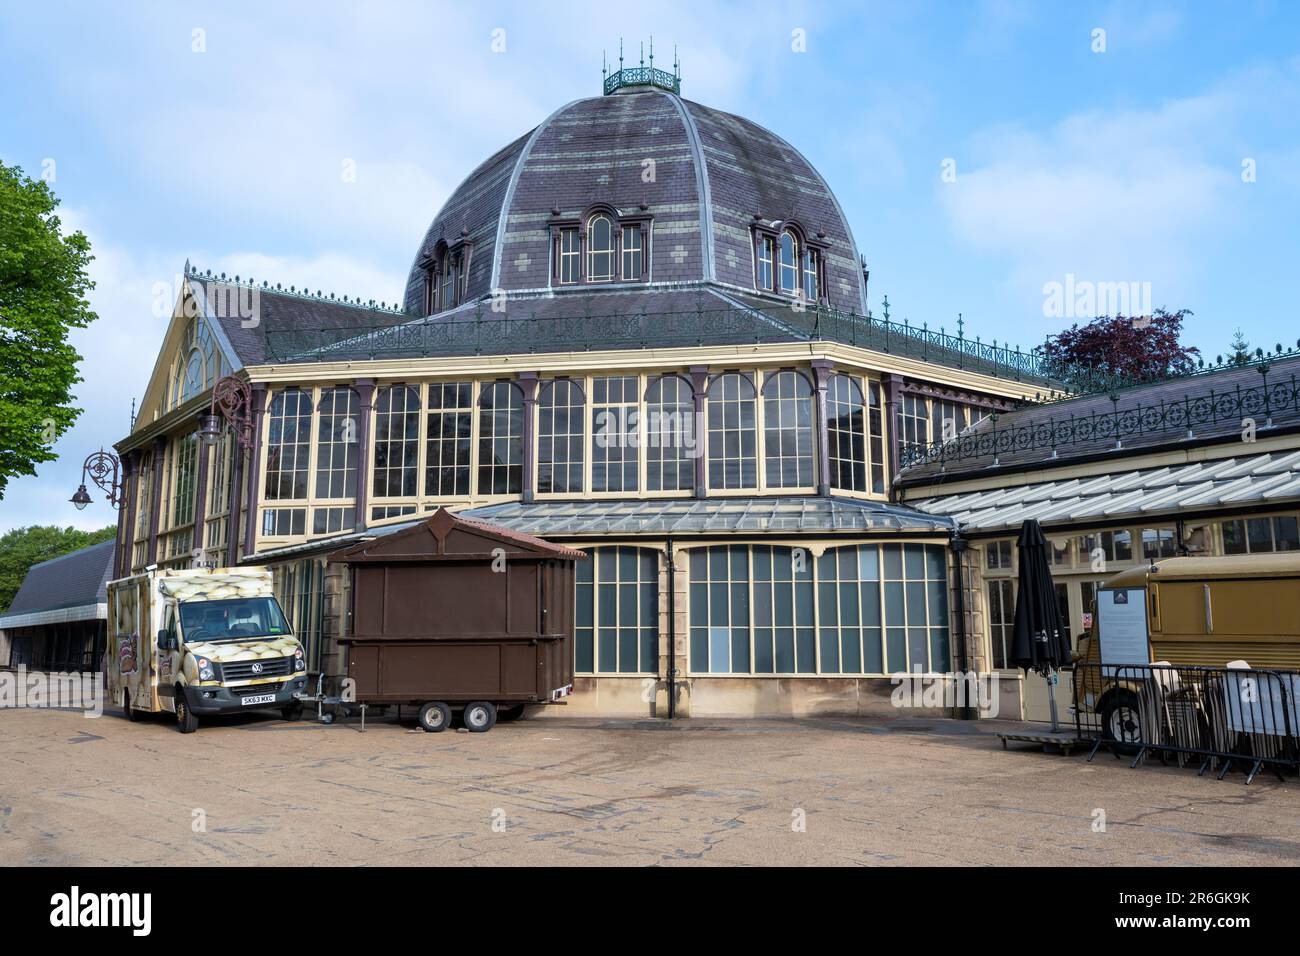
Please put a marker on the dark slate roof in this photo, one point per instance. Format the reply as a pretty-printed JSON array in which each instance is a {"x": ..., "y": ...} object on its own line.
[
  {"x": 76, "y": 579},
  {"x": 1212, "y": 405},
  {"x": 714, "y": 172},
  {"x": 278, "y": 312},
  {"x": 563, "y": 322}
]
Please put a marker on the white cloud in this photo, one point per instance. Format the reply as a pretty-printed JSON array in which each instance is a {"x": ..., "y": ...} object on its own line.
[{"x": 1112, "y": 196}]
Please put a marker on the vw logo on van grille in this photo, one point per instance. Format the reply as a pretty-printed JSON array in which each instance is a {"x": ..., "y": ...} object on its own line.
[{"x": 257, "y": 668}]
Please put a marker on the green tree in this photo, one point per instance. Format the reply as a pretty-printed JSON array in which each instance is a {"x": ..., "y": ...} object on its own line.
[
  {"x": 1239, "y": 349},
  {"x": 43, "y": 286},
  {"x": 23, "y": 547}
]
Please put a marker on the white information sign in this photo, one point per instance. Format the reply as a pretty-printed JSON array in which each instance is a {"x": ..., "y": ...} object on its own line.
[{"x": 1122, "y": 627}]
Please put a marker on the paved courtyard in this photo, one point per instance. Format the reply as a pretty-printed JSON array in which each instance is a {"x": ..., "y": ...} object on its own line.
[{"x": 256, "y": 790}]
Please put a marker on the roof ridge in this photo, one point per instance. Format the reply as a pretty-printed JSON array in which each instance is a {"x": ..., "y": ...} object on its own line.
[{"x": 250, "y": 283}]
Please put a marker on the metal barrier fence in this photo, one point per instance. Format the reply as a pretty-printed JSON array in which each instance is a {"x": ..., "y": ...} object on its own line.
[{"x": 1217, "y": 717}]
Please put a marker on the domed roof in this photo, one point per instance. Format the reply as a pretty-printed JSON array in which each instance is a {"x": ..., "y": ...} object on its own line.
[{"x": 703, "y": 178}]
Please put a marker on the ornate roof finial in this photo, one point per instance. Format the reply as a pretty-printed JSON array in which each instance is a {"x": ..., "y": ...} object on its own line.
[
  {"x": 643, "y": 52},
  {"x": 620, "y": 54},
  {"x": 652, "y": 51}
]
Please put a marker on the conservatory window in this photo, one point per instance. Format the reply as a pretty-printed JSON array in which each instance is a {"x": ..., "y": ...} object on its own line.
[
  {"x": 448, "y": 439},
  {"x": 560, "y": 411},
  {"x": 501, "y": 440},
  {"x": 787, "y": 430},
  {"x": 670, "y": 435},
  {"x": 846, "y": 434},
  {"x": 336, "y": 443},
  {"x": 617, "y": 612},
  {"x": 614, "y": 428},
  {"x": 397, "y": 442},
  {"x": 876, "y": 422},
  {"x": 732, "y": 451},
  {"x": 288, "y": 449}
]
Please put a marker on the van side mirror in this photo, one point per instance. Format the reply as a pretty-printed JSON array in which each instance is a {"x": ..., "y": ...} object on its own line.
[{"x": 164, "y": 639}]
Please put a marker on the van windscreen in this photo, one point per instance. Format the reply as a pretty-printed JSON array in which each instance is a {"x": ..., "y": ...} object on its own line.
[{"x": 234, "y": 619}]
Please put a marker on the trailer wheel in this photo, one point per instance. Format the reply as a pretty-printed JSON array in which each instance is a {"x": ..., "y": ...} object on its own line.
[
  {"x": 327, "y": 718},
  {"x": 507, "y": 714},
  {"x": 186, "y": 722},
  {"x": 480, "y": 716},
  {"x": 435, "y": 717}
]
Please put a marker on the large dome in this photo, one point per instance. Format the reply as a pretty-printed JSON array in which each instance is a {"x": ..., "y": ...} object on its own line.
[{"x": 700, "y": 179}]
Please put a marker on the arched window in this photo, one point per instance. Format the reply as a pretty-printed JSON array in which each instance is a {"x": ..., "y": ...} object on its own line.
[
  {"x": 561, "y": 413},
  {"x": 615, "y": 428},
  {"x": 787, "y": 430},
  {"x": 501, "y": 440},
  {"x": 600, "y": 249},
  {"x": 846, "y": 434},
  {"x": 336, "y": 443},
  {"x": 397, "y": 442},
  {"x": 733, "y": 452},
  {"x": 788, "y": 267},
  {"x": 448, "y": 439},
  {"x": 670, "y": 435},
  {"x": 288, "y": 445}
]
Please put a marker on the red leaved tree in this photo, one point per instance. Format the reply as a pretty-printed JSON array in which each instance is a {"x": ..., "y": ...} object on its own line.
[{"x": 1121, "y": 349}]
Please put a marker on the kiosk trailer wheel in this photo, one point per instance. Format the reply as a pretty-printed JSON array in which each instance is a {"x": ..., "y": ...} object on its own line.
[
  {"x": 435, "y": 717},
  {"x": 480, "y": 716}
]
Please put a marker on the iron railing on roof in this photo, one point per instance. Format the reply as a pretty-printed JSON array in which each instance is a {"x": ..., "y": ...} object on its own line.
[
  {"x": 643, "y": 76},
  {"x": 514, "y": 331},
  {"x": 1248, "y": 407}
]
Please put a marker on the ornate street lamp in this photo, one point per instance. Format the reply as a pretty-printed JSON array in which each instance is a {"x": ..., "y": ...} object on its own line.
[
  {"x": 105, "y": 471},
  {"x": 232, "y": 400}
]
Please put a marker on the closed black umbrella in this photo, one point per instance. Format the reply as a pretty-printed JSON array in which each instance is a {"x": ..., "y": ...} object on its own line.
[{"x": 1038, "y": 642}]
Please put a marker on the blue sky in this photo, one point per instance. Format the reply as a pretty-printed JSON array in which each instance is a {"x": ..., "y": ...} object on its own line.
[{"x": 1118, "y": 166}]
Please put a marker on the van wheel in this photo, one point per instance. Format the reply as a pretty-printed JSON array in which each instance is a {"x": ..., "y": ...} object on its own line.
[
  {"x": 480, "y": 717},
  {"x": 132, "y": 714},
  {"x": 186, "y": 722},
  {"x": 435, "y": 717},
  {"x": 1121, "y": 722}
]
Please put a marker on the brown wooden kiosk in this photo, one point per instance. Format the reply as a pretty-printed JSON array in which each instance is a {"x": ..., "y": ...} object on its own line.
[{"x": 455, "y": 615}]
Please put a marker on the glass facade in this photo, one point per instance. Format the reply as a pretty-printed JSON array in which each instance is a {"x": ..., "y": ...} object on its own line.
[
  {"x": 617, "y": 612},
  {"x": 859, "y": 609}
]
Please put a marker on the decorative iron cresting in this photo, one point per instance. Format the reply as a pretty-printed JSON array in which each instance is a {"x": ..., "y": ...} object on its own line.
[
  {"x": 642, "y": 75},
  {"x": 1258, "y": 403}
]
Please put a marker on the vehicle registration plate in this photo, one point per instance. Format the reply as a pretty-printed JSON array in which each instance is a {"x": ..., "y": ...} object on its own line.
[{"x": 258, "y": 699}]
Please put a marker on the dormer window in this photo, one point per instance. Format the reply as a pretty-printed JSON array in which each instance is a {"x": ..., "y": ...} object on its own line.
[
  {"x": 600, "y": 249},
  {"x": 788, "y": 272},
  {"x": 811, "y": 266},
  {"x": 787, "y": 263},
  {"x": 766, "y": 254},
  {"x": 570, "y": 256},
  {"x": 633, "y": 253},
  {"x": 601, "y": 246},
  {"x": 446, "y": 283}
]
